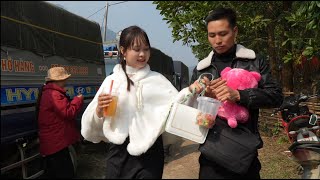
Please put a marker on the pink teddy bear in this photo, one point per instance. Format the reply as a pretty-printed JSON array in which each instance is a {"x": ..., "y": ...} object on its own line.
[{"x": 237, "y": 79}]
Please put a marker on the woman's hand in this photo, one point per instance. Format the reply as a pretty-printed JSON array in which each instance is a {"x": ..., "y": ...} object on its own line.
[
  {"x": 197, "y": 85},
  {"x": 104, "y": 100}
]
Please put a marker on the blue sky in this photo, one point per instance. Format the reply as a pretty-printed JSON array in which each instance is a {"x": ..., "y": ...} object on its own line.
[{"x": 141, "y": 13}]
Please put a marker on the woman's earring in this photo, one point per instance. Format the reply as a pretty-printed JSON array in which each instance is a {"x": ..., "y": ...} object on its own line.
[{"x": 124, "y": 58}]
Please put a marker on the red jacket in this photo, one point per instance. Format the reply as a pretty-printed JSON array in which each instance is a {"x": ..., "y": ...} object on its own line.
[{"x": 57, "y": 124}]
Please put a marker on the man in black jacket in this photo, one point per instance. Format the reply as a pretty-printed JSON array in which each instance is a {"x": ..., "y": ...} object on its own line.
[{"x": 222, "y": 31}]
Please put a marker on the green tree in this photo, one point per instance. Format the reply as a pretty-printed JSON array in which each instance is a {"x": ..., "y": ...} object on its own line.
[
  {"x": 282, "y": 31},
  {"x": 300, "y": 41}
]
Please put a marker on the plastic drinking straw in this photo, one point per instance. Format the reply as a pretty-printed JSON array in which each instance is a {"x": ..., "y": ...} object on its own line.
[{"x": 111, "y": 87}]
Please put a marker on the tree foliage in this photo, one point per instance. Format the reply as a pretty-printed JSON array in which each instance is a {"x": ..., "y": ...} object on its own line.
[
  {"x": 283, "y": 35},
  {"x": 303, "y": 36}
]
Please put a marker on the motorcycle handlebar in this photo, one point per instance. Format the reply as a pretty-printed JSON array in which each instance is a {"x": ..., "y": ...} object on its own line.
[
  {"x": 294, "y": 101},
  {"x": 306, "y": 129}
]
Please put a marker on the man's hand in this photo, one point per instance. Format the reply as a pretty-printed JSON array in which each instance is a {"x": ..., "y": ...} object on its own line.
[
  {"x": 214, "y": 84},
  {"x": 218, "y": 89}
]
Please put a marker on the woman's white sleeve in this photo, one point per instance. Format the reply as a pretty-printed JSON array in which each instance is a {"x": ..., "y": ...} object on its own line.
[
  {"x": 186, "y": 97},
  {"x": 91, "y": 124}
]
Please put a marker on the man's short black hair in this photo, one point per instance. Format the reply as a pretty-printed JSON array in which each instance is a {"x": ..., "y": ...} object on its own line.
[{"x": 222, "y": 13}]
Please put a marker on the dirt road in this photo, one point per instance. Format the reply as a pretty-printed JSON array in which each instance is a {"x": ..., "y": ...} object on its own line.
[{"x": 181, "y": 164}]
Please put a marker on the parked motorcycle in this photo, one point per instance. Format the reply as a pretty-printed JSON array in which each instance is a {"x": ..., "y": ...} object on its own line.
[{"x": 303, "y": 130}]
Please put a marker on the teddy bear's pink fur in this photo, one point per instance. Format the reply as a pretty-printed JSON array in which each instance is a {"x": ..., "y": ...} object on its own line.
[{"x": 237, "y": 79}]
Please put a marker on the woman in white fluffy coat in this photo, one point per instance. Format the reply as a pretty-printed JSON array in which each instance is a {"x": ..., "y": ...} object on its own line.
[{"x": 145, "y": 96}]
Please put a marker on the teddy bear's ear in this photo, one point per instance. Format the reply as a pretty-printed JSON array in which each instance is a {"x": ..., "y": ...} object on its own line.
[
  {"x": 256, "y": 75},
  {"x": 225, "y": 70}
]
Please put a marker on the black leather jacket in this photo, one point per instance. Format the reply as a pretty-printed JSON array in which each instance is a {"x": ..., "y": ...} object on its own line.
[{"x": 267, "y": 95}]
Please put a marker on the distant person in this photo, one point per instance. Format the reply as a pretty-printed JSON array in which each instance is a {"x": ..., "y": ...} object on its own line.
[
  {"x": 135, "y": 132},
  {"x": 57, "y": 124},
  {"x": 222, "y": 31}
]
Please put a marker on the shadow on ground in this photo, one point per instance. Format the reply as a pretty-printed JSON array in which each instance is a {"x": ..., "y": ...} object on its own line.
[
  {"x": 179, "y": 150},
  {"x": 91, "y": 161}
]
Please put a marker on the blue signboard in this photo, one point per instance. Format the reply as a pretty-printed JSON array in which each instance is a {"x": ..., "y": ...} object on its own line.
[
  {"x": 110, "y": 51},
  {"x": 85, "y": 90},
  {"x": 18, "y": 95},
  {"x": 25, "y": 95},
  {"x": 111, "y": 47}
]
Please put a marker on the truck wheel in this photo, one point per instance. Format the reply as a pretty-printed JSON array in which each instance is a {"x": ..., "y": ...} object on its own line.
[{"x": 74, "y": 158}]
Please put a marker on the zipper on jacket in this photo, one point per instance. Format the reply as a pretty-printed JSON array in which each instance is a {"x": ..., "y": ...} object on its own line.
[
  {"x": 233, "y": 62},
  {"x": 216, "y": 75},
  {"x": 255, "y": 123}
]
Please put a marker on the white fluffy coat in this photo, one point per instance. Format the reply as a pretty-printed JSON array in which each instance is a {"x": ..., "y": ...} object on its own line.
[{"x": 141, "y": 112}]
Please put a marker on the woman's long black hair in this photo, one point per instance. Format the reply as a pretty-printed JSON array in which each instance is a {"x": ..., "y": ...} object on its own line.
[{"x": 128, "y": 37}]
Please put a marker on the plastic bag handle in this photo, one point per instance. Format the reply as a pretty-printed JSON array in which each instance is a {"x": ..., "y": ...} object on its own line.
[
  {"x": 203, "y": 85},
  {"x": 194, "y": 89}
]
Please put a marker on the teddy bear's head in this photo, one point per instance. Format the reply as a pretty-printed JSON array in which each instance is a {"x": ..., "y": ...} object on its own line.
[{"x": 240, "y": 79}]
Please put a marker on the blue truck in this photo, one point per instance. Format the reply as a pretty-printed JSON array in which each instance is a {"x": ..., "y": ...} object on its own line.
[{"x": 36, "y": 36}]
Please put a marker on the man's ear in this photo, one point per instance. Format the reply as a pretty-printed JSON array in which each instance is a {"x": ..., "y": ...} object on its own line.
[{"x": 235, "y": 31}]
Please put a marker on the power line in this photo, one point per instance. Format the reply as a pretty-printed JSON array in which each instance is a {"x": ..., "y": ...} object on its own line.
[
  {"x": 96, "y": 12},
  {"x": 105, "y": 6},
  {"x": 118, "y": 3}
]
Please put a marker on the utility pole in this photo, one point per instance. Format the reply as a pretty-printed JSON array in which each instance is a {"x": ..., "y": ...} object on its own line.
[
  {"x": 105, "y": 23},
  {"x": 106, "y": 18}
]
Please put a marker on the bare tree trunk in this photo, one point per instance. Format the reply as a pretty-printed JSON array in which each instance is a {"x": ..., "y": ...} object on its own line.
[
  {"x": 287, "y": 70},
  {"x": 271, "y": 45},
  {"x": 287, "y": 77}
]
